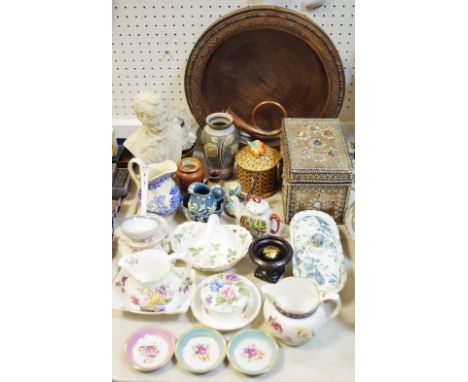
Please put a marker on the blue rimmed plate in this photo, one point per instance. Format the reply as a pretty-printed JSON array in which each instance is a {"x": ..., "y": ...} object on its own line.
[
  {"x": 253, "y": 352},
  {"x": 200, "y": 350}
]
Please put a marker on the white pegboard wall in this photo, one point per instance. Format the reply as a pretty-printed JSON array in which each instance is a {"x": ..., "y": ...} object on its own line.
[{"x": 152, "y": 39}]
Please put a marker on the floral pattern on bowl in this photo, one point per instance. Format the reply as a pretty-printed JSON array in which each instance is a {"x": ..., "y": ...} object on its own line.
[
  {"x": 157, "y": 301},
  {"x": 225, "y": 293},
  {"x": 318, "y": 254},
  {"x": 149, "y": 348},
  {"x": 226, "y": 321},
  {"x": 200, "y": 350},
  {"x": 253, "y": 352},
  {"x": 222, "y": 249}
]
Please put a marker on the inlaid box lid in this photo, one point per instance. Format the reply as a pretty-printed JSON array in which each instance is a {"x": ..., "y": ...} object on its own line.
[{"x": 315, "y": 150}]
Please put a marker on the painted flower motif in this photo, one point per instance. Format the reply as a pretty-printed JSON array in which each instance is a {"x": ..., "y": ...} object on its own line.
[
  {"x": 200, "y": 349},
  {"x": 302, "y": 333},
  {"x": 209, "y": 299},
  {"x": 252, "y": 353},
  {"x": 151, "y": 349},
  {"x": 228, "y": 292},
  {"x": 275, "y": 324},
  {"x": 232, "y": 277},
  {"x": 216, "y": 285},
  {"x": 156, "y": 299},
  {"x": 186, "y": 284},
  {"x": 162, "y": 290},
  {"x": 135, "y": 300},
  {"x": 149, "y": 353},
  {"x": 121, "y": 283}
]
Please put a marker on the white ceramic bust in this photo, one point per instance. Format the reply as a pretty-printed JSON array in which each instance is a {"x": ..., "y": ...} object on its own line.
[{"x": 156, "y": 140}]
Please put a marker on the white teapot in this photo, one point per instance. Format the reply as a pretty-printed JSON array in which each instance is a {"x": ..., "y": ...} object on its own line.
[
  {"x": 150, "y": 282},
  {"x": 295, "y": 310},
  {"x": 256, "y": 215}
]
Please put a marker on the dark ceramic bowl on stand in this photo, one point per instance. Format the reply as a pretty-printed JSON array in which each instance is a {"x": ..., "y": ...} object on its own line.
[{"x": 271, "y": 254}]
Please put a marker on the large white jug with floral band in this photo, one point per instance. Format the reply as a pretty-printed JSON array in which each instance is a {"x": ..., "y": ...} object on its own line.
[{"x": 295, "y": 310}]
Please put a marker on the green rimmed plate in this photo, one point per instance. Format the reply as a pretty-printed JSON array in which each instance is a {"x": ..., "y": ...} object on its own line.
[
  {"x": 200, "y": 350},
  {"x": 253, "y": 352}
]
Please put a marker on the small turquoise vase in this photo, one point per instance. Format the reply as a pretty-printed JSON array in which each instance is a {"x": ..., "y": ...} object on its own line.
[{"x": 204, "y": 199}]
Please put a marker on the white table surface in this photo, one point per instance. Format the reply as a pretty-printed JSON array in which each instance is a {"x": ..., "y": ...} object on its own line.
[{"x": 328, "y": 357}]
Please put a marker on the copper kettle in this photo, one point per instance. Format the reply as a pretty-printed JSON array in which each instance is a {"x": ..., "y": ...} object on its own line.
[{"x": 254, "y": 128}]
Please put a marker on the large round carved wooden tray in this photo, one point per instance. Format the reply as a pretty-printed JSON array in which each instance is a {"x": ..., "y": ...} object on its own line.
[{"x": 264, "y": 53}]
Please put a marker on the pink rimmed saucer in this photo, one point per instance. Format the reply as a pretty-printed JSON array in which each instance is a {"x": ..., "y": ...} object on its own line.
[{"x": 149, "y": 348}]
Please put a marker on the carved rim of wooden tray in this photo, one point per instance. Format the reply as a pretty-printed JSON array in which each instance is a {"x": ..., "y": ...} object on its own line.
[{"x": 261, "y": 17}]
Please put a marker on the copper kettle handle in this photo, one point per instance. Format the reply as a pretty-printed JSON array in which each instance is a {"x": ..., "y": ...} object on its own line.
[
  {"x": 253, "y": 116},
  {"x": 243, "y": 125}
]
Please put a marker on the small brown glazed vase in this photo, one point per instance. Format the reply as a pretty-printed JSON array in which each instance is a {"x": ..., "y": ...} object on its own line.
[{"x": 189, "y": 170}]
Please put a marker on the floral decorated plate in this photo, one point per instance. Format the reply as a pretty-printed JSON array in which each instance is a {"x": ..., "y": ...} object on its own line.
[
  {"x": 200, "y": 350},
  {"x": 318, "y": 254},
  {"x": 212, "y": 246},
  {"x": 253, "y": 352},
  {"x": 149, "y": 348},
  {"x": 178, "y": 305},
  {"x": 226, "y": 302}
]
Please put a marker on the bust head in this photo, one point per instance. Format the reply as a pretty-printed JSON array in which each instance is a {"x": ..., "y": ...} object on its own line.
[{"x": 149, "y": 109}]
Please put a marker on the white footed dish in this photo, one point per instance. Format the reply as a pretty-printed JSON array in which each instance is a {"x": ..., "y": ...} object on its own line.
[{"x": 212, "y": 246}]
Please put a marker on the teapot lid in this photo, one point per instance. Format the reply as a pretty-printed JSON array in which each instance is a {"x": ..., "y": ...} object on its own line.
[
  {"x": 257, "y": 206},
  {"x": 295, "y": 295}
]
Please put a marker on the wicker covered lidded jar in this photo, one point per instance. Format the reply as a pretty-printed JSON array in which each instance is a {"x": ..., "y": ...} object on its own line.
[{"x": 257, "y": 168}]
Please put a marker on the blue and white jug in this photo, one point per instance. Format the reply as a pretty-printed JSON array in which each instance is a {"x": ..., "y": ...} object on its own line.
[{"x": 163, "y": 192}]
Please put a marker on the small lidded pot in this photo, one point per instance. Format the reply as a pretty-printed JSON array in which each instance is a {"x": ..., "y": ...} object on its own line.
[
  {"x": 225, "y": 296},
  {"x": 189, "y": 170},
  {"x": 257, "y": 168},
  {"x": 271, "y": 254}
]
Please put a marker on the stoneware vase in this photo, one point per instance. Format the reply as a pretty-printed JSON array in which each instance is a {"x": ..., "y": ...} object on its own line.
[{"x": 220, "y": 141}]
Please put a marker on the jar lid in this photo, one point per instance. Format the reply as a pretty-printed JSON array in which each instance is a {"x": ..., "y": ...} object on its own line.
[
  {"x": 257, "y": 205},
  {"x": 257, "y": 157}
]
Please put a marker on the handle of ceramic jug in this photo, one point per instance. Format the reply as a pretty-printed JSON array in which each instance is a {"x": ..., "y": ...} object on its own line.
[
  {"x": 144, "y": 190},
  {"x": 181, "y": 257},
  {"x": 218, "y": 192},
  {"x": 275, "y": 218},
  {"x": 131, "y": 164},
  {"x": 335, "y": 299}
]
